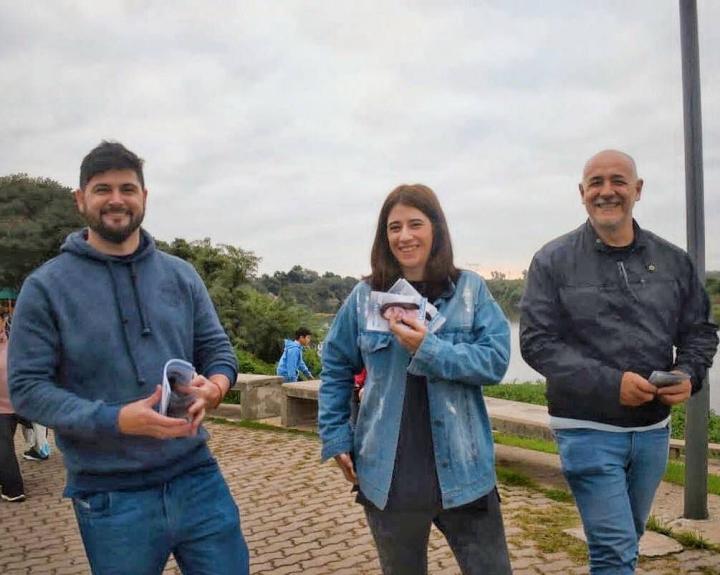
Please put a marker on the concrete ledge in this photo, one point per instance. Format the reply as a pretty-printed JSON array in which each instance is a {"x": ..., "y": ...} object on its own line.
[
  {"x": 520, "y": 427},
  {"x": 265, "y": 396},
  {"x": 302, "y": 389},
  {"x": 677, "y": 448},
  {"x": 299, "y": 407},
  {"x": 529, "y": 420},
  {"x": 228, "y": 411},
  {"x": 260, "y": 395}
]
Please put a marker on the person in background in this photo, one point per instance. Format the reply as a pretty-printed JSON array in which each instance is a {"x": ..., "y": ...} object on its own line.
[
  {"x": 421, "y": 452},
  {"x": 604, "y": 306},
  {"x": 11, "y": 481},
  {"x": 36, "y": 441},
  {"x": 291, "y": 362}
]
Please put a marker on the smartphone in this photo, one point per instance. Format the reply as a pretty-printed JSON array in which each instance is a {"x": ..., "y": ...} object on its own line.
[{"x": 666, "y": 378}]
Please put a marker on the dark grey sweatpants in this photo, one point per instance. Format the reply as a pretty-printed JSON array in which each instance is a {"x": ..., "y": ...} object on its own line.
[{"x": 475, "y": 534}]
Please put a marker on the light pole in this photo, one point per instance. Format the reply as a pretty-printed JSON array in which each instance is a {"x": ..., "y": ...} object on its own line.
[{"x": 696, "y": 428}]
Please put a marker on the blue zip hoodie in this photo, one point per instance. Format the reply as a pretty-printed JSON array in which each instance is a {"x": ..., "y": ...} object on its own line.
[
  {"x": 91, "y": 333},
  {"x": 291, "y": 361}
]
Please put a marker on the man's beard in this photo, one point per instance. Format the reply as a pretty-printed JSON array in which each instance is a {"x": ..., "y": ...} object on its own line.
[{"x": 115, "y": 235}]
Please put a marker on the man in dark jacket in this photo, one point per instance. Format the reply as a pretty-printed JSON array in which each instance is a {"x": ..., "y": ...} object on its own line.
[
  {"x": 92, "y": 332},
  {"x": 603, "y": 307}
]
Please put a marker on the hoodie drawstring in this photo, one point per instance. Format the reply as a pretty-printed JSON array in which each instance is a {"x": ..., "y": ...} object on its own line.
[
  {"x": 141, "y": 308},
  {"x": 123, "y": 320}
]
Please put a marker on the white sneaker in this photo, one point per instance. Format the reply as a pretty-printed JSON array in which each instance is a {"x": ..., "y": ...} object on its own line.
[{"x": 16, "y": 499}]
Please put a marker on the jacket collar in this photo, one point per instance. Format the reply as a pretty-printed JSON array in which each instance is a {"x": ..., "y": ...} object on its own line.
[{"x": 639, "y": 237}]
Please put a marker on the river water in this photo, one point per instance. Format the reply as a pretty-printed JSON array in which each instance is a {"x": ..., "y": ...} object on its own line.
[{"x": 520, "y": 371}]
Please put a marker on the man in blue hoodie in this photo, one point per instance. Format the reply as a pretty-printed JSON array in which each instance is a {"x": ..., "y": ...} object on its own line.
[
  {"x": 291, "y": 361},
  {"x": 92, "y": 331}
]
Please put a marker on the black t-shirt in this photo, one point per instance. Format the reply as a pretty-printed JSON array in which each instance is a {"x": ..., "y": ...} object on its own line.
[{"x": 620, "y": 252}]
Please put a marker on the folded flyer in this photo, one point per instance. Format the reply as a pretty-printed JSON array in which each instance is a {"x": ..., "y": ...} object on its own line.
[
  {"x": 384, "y": 306},
  {"x": 435, "y": 319},
  {"x": 173, "y": 403}
]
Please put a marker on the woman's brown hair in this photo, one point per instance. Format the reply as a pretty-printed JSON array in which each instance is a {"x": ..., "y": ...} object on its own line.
[{"x": 385, "y": 268}]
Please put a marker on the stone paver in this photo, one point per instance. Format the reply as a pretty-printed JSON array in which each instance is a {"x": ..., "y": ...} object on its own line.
[{"x": 298, "y": 517}]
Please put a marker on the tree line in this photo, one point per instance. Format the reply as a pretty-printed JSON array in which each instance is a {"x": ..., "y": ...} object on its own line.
[{"x": 256, "y": 311}]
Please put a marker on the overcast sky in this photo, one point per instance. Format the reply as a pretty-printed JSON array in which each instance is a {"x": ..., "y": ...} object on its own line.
[{"x": 280, "y": 126}]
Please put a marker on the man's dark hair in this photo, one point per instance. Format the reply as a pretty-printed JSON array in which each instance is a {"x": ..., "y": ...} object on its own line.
[
  {"x": 385, "y": 268},
  {"x": 302, "y": 332},
  {"x": 110, "y": 156}
]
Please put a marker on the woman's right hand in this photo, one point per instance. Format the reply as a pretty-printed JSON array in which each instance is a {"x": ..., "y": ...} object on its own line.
[{"x": 345, "y": 463}]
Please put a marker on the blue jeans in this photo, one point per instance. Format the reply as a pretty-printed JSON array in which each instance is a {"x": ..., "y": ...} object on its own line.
[
  {"x": 193, "y": 516},
  {"x": 613, "y": 477}
]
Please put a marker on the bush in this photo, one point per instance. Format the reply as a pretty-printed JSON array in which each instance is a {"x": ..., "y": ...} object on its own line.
[
  {"x": 248, "y": 363},
  {"x": 312, "y": 360}
]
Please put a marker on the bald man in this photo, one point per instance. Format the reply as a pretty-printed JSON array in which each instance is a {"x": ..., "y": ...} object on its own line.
[{"x": 603, "y": 307}]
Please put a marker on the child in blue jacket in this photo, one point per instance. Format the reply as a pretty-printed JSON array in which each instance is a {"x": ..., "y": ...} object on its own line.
[{"x": 291, "y": 362}]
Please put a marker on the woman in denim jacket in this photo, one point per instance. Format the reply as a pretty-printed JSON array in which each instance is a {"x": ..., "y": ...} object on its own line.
[{"x": 422, "y": 450}]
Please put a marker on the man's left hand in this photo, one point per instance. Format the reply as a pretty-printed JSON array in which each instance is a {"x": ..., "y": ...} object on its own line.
[
  {"x": 208, "y": 395},
  {"x": 674, "y": 394},
  {"x": 410, "y": 332}
]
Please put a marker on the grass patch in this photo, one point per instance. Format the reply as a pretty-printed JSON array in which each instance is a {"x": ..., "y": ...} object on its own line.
[
  {"x": 559, "y": 495},
  {"x": 545, "y": 526},
  {"x": 250, "y": 424},
  {"x": 232, "y": 397},
  {"x": 525, "y": 392},
  {"x": 689, "y": 539},
  {"x": 525, "y": 442},
  {"x": 654, "y": 524},
  {"x": 693, "y": 540},
  {"x": 509, "y": 476},
  {"x": 674, "y": 473}
]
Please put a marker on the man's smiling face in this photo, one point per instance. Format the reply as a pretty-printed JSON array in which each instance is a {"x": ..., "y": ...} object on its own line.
[{"x": 609, "y": 190}]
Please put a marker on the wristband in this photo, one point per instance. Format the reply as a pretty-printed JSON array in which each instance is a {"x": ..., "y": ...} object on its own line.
[{"x": 222, "y": 394}]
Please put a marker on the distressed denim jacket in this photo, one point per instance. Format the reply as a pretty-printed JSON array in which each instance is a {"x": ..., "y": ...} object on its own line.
[{"x": 470, "y": 350}]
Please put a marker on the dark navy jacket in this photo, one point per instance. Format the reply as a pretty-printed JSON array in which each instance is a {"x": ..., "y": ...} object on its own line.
[
  {"x": 91, "y": 333},
  {"x": 588, "y": 316}
]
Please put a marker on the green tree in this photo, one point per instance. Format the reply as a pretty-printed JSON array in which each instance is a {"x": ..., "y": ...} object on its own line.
[
  {"x": 256, "y": 321},
  {"x": 507, "y": 293},
  {"x": 321, "y": 294},
  {"x": 36, "y": 214}
]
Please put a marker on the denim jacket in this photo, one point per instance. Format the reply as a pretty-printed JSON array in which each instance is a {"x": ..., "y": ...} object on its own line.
[{"x": 470, "y": 350}]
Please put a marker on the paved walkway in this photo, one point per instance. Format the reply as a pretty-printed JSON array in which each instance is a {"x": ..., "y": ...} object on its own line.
[{"x": 299, "y": 518}]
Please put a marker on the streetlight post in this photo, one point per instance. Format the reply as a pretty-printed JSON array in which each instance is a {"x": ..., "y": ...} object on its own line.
[{"x": 696, "y": 429}]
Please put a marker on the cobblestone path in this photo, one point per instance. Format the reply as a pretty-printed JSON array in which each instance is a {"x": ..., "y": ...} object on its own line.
[{"x": 299, "y": 517}]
